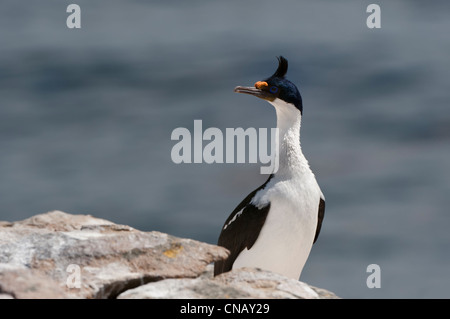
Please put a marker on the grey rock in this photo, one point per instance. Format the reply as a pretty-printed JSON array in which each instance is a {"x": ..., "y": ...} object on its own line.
[
  {"x": 201, "y": 287},
  {"x": 29, "y": 284},
  {"x": 239, "y": 283},
  {"x": 59, "y": 255},
  {"x": 264, "y": 284},
  {"x": 50, "y": 251}
]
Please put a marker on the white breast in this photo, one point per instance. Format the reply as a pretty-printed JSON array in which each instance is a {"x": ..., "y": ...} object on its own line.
[{"x": 287, "y": 236}]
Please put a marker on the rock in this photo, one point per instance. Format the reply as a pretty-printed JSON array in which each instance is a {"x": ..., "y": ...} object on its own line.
[
  {"x": 29, "y": 284},
  {"x": 264, "y": 284},
  {"x": 202, "y": 287},
  {"x": 239, "y": 283},
  {"x": 46, "y": 256},
  {"x": 59, "y": 255}
]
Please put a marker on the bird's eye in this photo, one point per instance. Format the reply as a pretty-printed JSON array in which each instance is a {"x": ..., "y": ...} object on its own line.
[{"x": 273, "y": 89}]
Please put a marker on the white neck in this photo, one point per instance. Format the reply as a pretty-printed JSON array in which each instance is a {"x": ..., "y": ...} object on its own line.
[{"x": 291, "y": 158}]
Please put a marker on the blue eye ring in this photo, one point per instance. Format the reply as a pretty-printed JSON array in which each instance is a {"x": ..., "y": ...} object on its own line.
[{"x": 273, "y": 89}]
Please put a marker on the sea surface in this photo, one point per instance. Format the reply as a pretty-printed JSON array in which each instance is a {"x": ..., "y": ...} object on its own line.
[{"x": 86, "y": 117}]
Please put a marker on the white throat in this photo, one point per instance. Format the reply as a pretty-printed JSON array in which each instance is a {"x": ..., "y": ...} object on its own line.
[{"x": 290, "y": 156}]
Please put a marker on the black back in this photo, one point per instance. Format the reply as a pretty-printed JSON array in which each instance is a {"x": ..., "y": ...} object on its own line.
[{"x": 243, "y": 231}]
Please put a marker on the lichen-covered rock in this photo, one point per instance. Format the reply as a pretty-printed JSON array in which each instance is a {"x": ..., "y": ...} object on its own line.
[
  {"x": 58, "y": 255},
  {"x": 78, "y": 256},
  {"x": 239, "y": 283}
]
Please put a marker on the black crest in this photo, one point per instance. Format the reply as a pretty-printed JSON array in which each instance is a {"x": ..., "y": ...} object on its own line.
[{"x": 282, "y": 67}]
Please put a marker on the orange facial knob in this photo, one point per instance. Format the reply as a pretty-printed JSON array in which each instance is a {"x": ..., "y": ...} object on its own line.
[{"x": 261, "y": 85}]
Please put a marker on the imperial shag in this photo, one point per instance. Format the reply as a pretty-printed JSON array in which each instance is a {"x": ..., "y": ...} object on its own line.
[{"x": 275, "y": 226}]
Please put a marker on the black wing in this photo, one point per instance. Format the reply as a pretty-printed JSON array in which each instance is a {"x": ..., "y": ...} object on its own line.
[
  {"x": 320, "y": 217},
  {"x": 241, "y": 229}
]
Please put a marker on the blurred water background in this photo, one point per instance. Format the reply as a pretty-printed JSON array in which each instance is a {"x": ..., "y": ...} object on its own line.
[{"x": 86, "y": 118}]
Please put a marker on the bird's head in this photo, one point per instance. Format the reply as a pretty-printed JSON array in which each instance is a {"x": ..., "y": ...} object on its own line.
[{"x": 276, "y": 87}]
